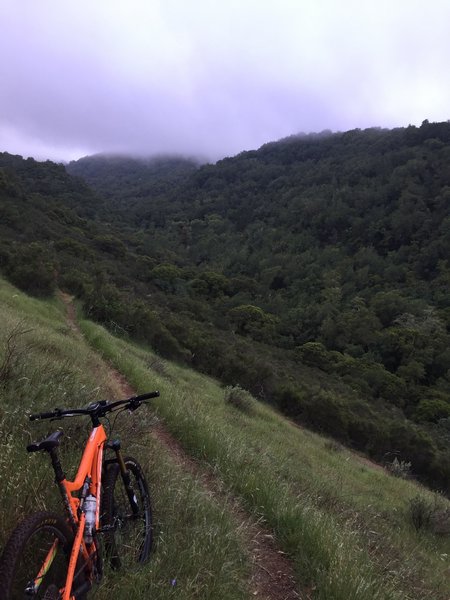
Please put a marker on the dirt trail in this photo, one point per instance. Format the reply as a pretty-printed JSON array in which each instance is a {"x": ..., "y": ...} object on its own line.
[
  {"x": 272, "y": 572},
  {"x": 272, "y": 575}
]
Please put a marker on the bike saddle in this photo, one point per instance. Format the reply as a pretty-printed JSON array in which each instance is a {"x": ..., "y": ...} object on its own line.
[{"x": 50, "y": 442}]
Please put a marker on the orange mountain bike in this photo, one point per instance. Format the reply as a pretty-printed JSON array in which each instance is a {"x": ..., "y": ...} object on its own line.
[{"x": 51, "y": 557}]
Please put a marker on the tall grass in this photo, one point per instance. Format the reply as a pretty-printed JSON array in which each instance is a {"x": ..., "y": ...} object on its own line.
[
  {"x": 346, "y": 525},
  {"x": 199, "y": 551},
  {"x": 47, "y": 368},
  {"x": 344, "y": 522}
]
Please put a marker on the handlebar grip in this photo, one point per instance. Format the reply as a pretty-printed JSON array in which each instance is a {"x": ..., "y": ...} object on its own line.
[
  {"x": 45, "y": 415},
  {"x": 146, "y": 396}
]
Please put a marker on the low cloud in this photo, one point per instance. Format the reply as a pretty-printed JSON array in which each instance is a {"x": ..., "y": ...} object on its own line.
[{"x": 213, "y": 78}]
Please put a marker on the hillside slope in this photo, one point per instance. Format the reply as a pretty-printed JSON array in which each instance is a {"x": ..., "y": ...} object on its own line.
[
  {"x": 313, "y": 272},
  {"x": 43, "y": 364},
  {"x": 332, "y": 248},
  {"x": 346, "y": 524}
]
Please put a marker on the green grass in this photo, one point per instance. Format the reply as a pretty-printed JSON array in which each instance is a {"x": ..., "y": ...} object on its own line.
[
  {"x": 47, "y": 367},
  {"x": 345, "y": 523},
  {"x": 199, "y": 551}
]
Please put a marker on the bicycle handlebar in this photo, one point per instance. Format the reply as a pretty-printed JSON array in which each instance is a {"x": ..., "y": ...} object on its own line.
[
  {"x": 46, "y": 415},
  {"x": 96, "y": 409}
]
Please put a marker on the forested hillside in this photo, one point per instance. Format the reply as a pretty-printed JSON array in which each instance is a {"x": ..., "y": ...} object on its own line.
[
  {"x": 313, "y": 271},
  {"x": 124, "y": 181}
]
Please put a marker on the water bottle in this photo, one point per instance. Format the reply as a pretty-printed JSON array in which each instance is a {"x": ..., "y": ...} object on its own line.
[{"x": 89, "y": 507}]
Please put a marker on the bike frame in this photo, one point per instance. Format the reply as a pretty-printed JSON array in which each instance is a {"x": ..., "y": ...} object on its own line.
[
  {"x": 90, "y": 466},
  {"x": 89, "y": 477},
  {"x": 87, "y": 482}
]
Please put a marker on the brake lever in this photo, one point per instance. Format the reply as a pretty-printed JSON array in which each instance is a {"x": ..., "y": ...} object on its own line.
[
  {"x": 134, "y": 405},
  {"x": 58, "y": 415}
]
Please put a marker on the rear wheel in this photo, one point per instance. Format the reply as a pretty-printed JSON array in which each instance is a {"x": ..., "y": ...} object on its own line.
[
  {"x": 128, "y": 523},
  {"x": 35, "y": 559}
]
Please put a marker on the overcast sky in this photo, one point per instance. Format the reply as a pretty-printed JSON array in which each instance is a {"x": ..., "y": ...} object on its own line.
[{"x": 215, "y": 77}]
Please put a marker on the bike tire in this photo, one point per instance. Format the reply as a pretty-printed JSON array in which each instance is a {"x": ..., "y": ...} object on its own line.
[
  {"x": 24, "y": 555},
  {"x": 128, "y": 538}
]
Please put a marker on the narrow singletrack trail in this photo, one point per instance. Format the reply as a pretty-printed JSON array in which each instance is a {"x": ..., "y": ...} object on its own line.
[{"x": 272, "y": 576}]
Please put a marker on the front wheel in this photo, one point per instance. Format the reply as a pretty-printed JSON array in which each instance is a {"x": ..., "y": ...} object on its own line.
[
  {"x": 127, "y": 523},
  {"x": 35, "y": 559}
]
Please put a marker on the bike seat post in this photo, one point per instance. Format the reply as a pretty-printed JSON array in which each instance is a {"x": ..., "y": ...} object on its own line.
[
  {"x": 59, "y": 478},
  {"x": 56, "y": 464}
]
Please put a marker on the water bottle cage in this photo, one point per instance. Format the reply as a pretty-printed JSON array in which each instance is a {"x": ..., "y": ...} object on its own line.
[{"x": 89, "y": 509}]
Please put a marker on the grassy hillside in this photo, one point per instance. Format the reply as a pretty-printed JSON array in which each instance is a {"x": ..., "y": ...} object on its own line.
[
  {"x": 43, "y": 365},
  {"x": 347, "y": 525}
]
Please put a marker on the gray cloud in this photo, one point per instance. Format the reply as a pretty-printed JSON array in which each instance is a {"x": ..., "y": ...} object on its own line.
[{"x": 213, "y": 78}]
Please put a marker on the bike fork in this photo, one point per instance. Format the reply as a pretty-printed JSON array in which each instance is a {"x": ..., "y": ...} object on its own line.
[{"x": 126, "y": 478}]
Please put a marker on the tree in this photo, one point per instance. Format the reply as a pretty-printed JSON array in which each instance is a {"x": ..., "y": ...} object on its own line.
[
  {"x": 32, "y": 268},
  {"x": 167, "y": 277},
  {"x": 253, "y": 320}
]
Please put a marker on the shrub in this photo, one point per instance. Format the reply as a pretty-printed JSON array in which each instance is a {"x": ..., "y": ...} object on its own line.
[
  {"x": 238, "y": 398},
  {"x": 291, "y": 400},
  {"x": 253, "y": 320},
  {"x": 399, "y": 468},
  {"x": 333, "y": 446},
  {"x": 33, "y": 269},
  {"x": 75, "y": 282},
  {"x": 314, "y": 354},
  {"x": 167, "y": 277},
  {"x": 327, "y": 413},
  {"x": 430, "y": 514},
  {"x": 440, "y": 521},
  {"x": 420, "y": 510},
  {"x": 433, "y": 409},
  {"x": 13, "y": 354}
]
